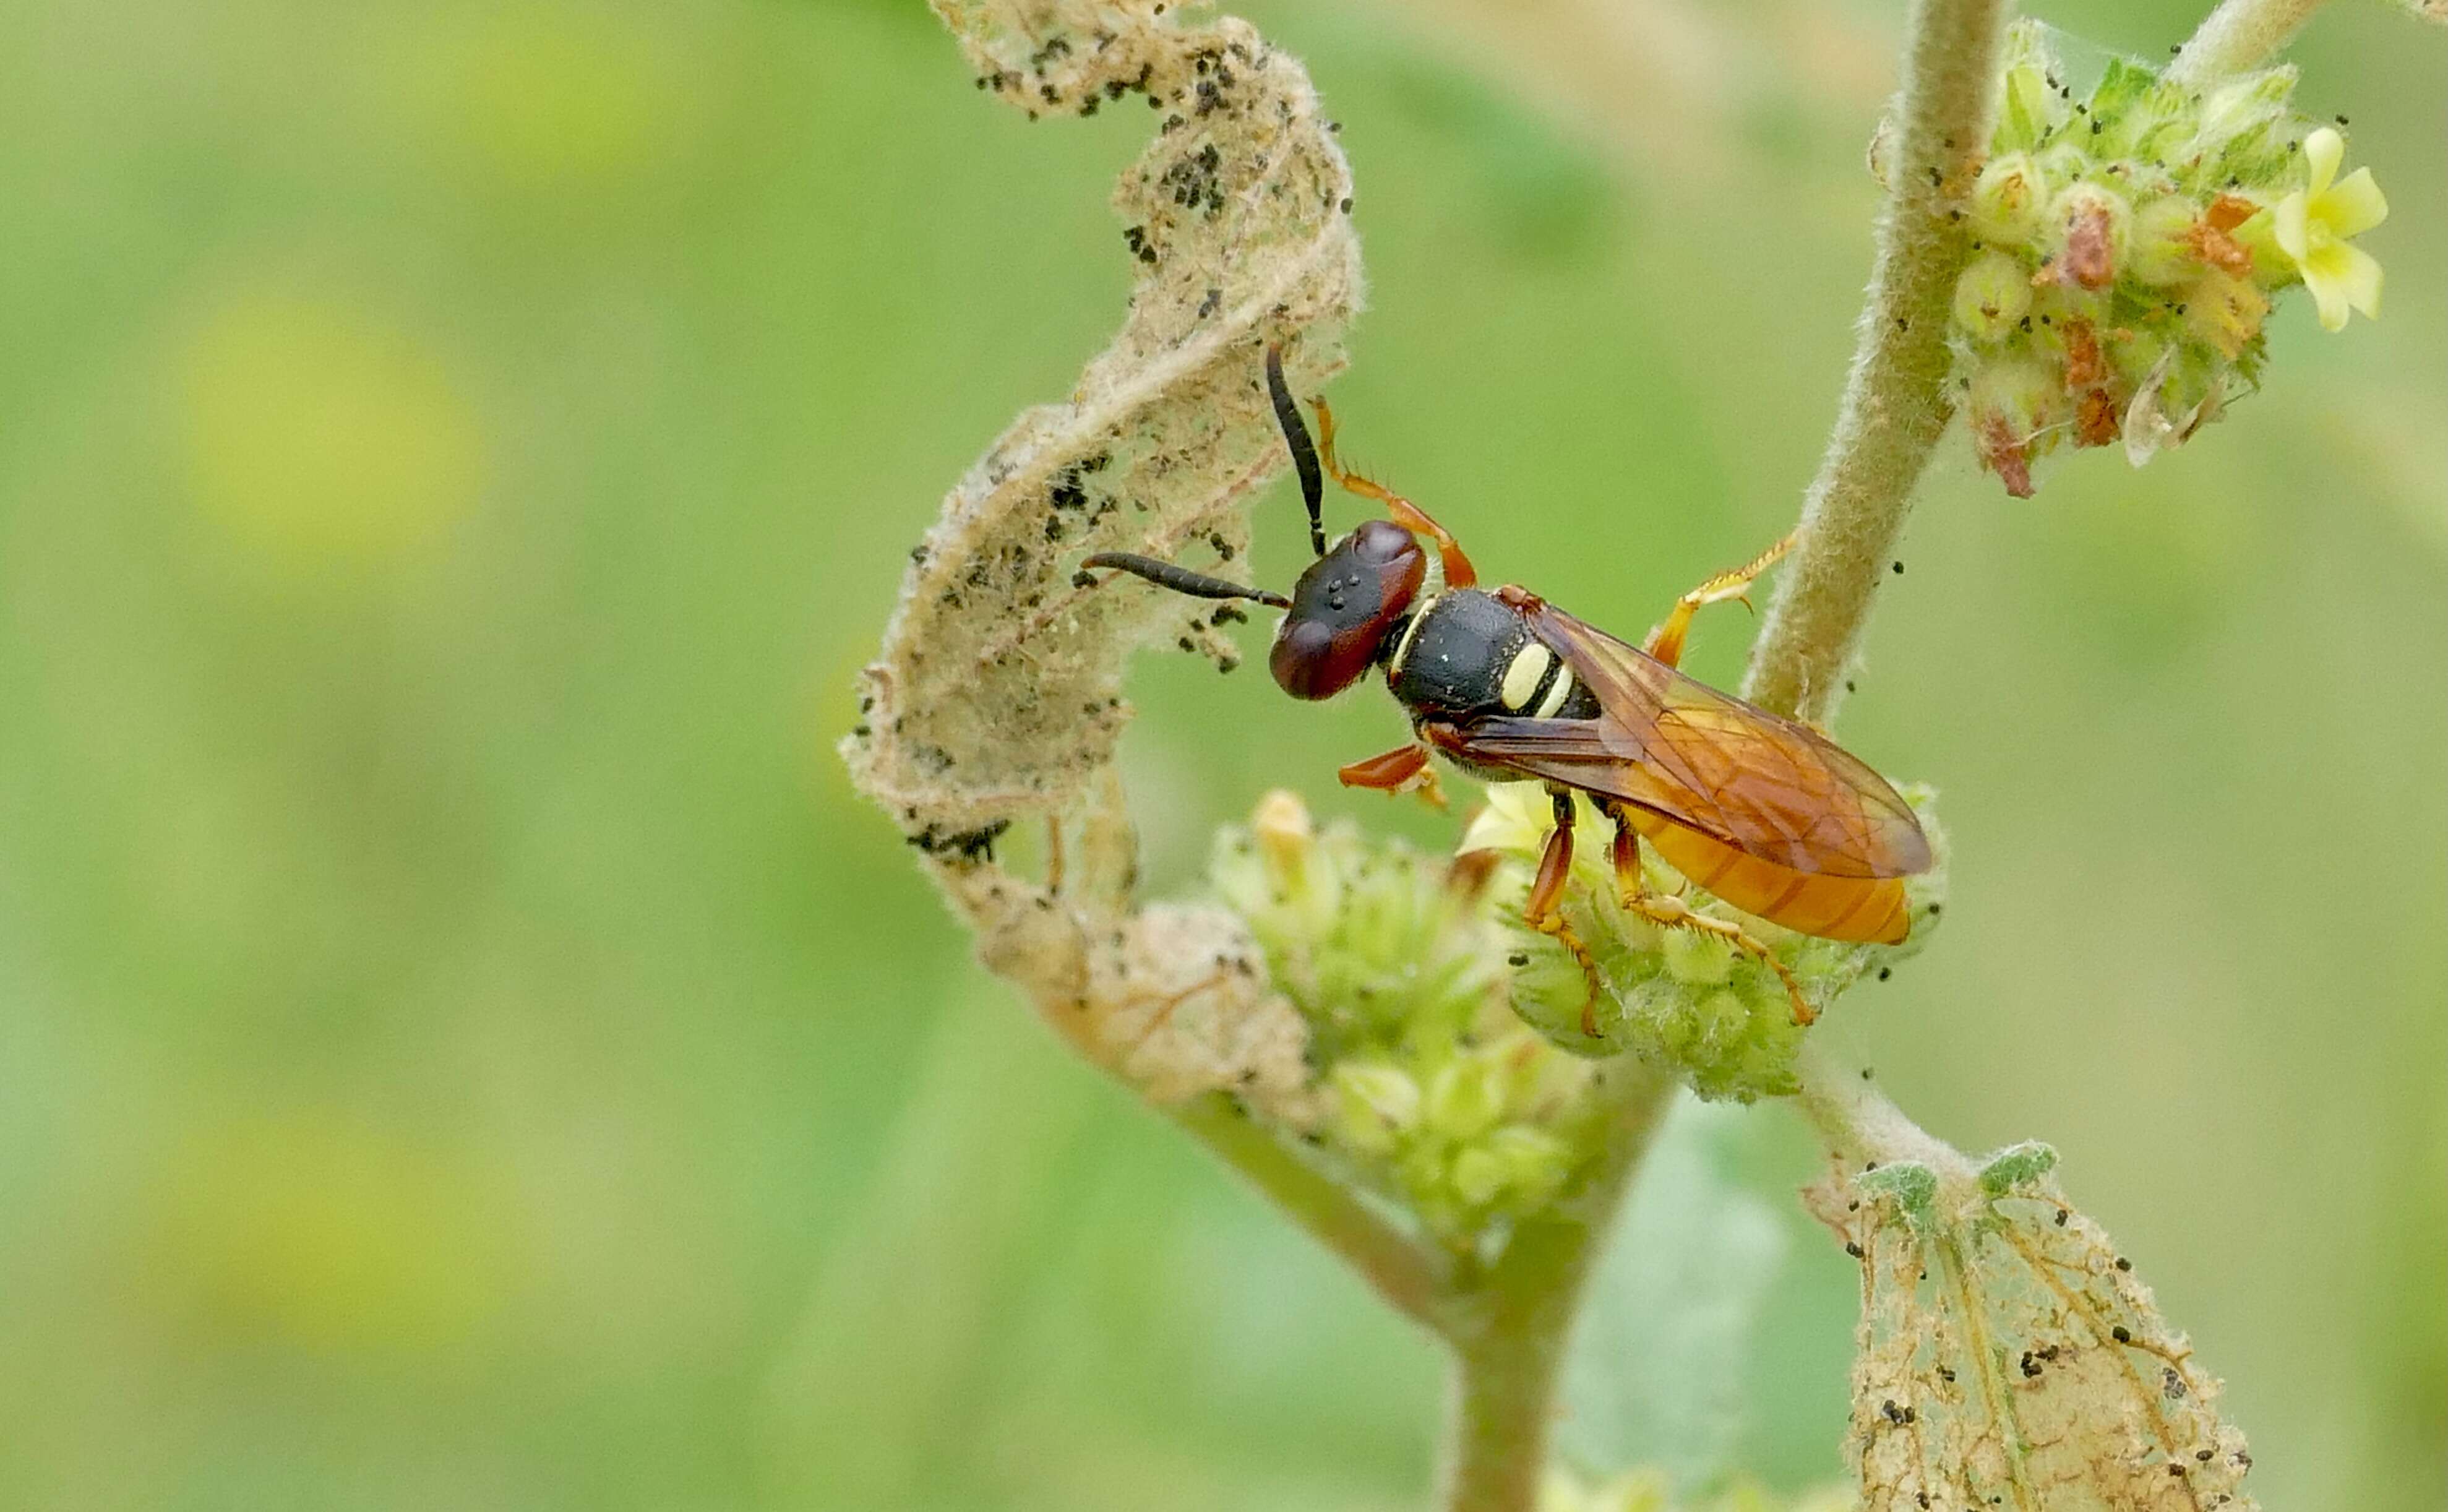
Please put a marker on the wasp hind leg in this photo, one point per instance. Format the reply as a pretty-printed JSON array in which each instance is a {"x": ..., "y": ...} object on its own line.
[
  {"x": 1545, "y": 911},
  {"x": 1404, "y": 769},
  {"x": 1673, "y": 913},
  {"x": 1666, "y": 642}
]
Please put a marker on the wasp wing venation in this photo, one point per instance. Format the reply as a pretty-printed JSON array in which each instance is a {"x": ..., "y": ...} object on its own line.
[{"x": 1767, "y": 786}]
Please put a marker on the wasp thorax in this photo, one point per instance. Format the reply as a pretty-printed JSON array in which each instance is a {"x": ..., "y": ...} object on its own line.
[{"x": 1342, "y": 608}]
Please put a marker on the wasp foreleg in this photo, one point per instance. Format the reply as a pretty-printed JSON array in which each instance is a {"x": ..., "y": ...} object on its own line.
[
  {"x": 1673, "y": 913},
  {"x": 1545, "y": 911},
  {"x": 1666, "y": 642},
  {"x": 1459, "y": 572},
  {"x": 1404, "y": 769}
]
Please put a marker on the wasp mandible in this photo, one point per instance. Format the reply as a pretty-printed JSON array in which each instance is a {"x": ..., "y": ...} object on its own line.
[{"x": 1762, "y": 810}]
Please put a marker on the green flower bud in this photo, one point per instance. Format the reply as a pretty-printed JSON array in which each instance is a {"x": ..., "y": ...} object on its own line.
[
  {"x": 2088, "y": 235},
  {"x": 2136, "y": 358},
  {"x": 2163, "y": 241},
  {"x": 1717, "y": 1019},
  {"x": 1695, "y": 959},
  {"x": 1531, "y": 1164},
  {"x": 1281, "y": 826},
  {"x": 1378, "y": 1103},
  {"x": 1476, "y": 1178},
  {"x": 1547, "y": 991},
  {"x": 2030, "y": 109},
  {"x": 2061, "y": 164},
  {"x": 1465, "y": 1098},
  {"x": 2134, "y": 115},
  {"x": 2245, "y": 129},
  {"x": 1992, "y": 296},
  {"x": 2014, "y": 408},
  {"x": 1423, "y": 1173},
  {"x": 2007, "y": 199}
]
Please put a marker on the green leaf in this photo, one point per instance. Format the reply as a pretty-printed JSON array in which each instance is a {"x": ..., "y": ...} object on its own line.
[{"x": 1656, "y": 1373}]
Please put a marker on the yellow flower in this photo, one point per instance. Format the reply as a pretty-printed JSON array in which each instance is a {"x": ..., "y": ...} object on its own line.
[{"x": 2312, "y": 227}]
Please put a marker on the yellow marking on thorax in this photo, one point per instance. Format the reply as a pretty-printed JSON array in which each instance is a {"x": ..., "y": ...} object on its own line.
[
  {"x": 1521, "y": 678},
  {"x": 1557, "y": 694},
  {"x": 1402, "y": 647}
]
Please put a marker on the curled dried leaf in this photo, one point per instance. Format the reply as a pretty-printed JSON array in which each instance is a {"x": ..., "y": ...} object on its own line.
[
  {"x": 2009, "y": 1357},
  {"x": 996, "y": 699}
]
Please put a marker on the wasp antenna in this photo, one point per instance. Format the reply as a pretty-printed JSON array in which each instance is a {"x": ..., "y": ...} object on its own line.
[
  {"x": 1181, "y": 579},
  {"x": 1312, "y": 482}
]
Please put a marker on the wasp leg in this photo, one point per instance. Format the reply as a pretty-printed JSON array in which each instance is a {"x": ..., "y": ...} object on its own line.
[
  {"x": 1673, "y": 913},
  {"x": 1459, "y": 572},
  {"x": 1404, "y": 769},
  {"x": 1544, "y": 913},
  {"x": 1666, "y": 642}
]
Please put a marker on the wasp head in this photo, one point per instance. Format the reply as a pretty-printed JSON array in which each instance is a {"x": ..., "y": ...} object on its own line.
[{"x": 1344, "y": 608}]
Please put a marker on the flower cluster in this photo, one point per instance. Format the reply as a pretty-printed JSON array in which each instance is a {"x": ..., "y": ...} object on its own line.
[
  {"x": 1435, "y": 1096},
  {"x": 2127, "y": 247},
  {"x": 1678, "y": 999}
]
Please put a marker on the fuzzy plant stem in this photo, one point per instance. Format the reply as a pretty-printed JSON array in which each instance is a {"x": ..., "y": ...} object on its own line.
[
  {"x": 1896, "y": 403},
  {"x": 1508, "y": 1323},
  {"x": 2240, "y": 34},
  {"x": 1859, "y": 1123},
  {"x": 1511, "y": 1325}
]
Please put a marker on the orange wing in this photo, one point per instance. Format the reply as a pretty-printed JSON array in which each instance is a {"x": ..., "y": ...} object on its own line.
[{"x": 1767, "y": 786}]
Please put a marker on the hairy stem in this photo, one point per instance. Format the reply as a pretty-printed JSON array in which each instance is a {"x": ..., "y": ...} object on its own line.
[
  {"x": 2238, "y": 35},
  {"x": 1896, "y": 404},
  {"x": 1859, "y": 1123},
  {"x": 1510, "y": 1331},
  {"x": 1411, "y": 1276},
  {"x": 1503, "y": 1401}
]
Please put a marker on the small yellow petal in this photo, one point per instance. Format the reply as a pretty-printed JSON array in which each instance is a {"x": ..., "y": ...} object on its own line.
[
  {"x": 2289, "y": 226},
  {"x": 2327, "y": 284},
  {"x": 2353, "y": 206},
  {"x": 2322, "y": 151},
  {"x": 2356, "y": 273}
]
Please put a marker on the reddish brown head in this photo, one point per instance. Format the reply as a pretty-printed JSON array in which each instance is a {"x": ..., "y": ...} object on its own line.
[{"x": 1344, "y": 608}]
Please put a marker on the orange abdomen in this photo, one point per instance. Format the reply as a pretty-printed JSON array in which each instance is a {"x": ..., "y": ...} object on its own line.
[{"x": 1870, "y": 908}]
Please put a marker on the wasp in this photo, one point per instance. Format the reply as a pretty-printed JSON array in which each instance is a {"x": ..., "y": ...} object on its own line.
[{"x": 1764, "y": 811}]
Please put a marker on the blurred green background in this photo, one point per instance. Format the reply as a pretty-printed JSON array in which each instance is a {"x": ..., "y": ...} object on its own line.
[{"x": 464, "y": 1044}]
